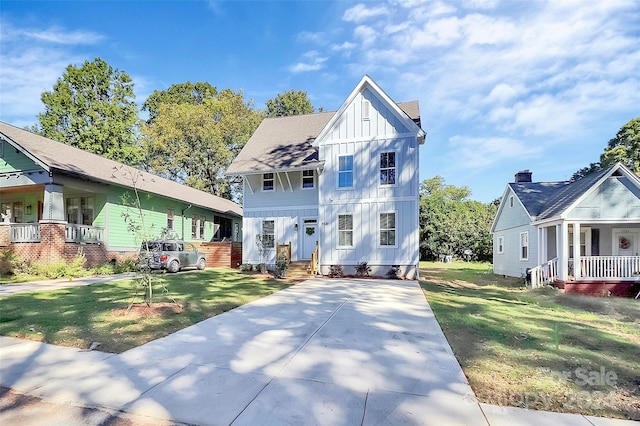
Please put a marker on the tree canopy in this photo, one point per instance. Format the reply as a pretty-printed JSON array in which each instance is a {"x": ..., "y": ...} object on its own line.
[
  {"x": 178, "y": 94},
  {"x": 450, "y": 223},
  {"x": 291, "y": 102},
  {"x": 623, "y": 148},
  {"x": 194, "y": 143},
  {"x": 92, "y": 107}
]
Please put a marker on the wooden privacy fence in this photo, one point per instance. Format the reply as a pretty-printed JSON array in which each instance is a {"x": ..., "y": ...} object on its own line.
[{"x": 221, "y": 254}]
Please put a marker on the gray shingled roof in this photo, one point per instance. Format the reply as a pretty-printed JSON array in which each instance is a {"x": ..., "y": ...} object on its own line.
[
  {"x": 284, "y": 143},
  {"x": 545, "y": 200},
  {"x": 77, "y": 162}
]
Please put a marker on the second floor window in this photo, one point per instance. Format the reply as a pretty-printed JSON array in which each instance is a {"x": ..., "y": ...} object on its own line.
[
  {"x": 268, "y": 182},
  {"x": 388, "y": 168},
  {"x": 307, "y": 179},
  {"x": 345, "y": 171}
]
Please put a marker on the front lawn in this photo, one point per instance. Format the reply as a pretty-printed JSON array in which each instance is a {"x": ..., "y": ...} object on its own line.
[
  {"x": 98, "y": 313},
  {"x": 538, "y": 349}
]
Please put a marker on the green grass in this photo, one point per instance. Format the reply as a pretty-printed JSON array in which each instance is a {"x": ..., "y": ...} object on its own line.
[
  {"x": 97, "y": 313},
  {"x": 539, "y": 348}
]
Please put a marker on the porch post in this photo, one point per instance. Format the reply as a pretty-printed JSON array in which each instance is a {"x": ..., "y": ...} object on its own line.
[
  {"x": 562, "y": 248},
  {"x": 53, "y": 205},
  {"x": 577, "y": 270}
]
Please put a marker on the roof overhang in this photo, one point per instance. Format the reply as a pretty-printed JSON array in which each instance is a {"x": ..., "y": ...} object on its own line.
[
  {"x": 312, "y": 166},
  {"x": 29, "y": 155}
]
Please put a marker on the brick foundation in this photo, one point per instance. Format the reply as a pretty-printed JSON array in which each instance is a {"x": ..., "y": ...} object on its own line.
[{"x": 600, "y": 288}]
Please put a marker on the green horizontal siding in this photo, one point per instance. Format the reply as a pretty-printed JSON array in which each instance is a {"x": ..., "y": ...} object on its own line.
[{"x": 13, "y": 160}]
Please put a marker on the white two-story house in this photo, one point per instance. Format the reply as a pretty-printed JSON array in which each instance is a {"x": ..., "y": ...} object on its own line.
[{"x": 337, "y": 187}]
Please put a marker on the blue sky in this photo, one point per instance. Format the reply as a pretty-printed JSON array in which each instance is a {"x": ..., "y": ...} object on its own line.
[{"x": 502, "y": 85}]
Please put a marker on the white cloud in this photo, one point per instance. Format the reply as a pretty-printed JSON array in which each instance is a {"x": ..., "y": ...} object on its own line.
[
  {"x": 311, "y": 61},
  {"x": 60, "y": 36},
  {"x": 307, "y": 36},
  {"x": 360, "y": 13},
  {"x": 32, "y": 60},
  {"x": 367, "y": 35},
  {"x": 345, "y": 46},
  {"x": 480, "y": 153}
]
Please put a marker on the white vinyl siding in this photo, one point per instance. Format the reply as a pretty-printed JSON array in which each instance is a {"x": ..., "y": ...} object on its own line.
[
  {"x": 345, "y": 171},
  {"x": 345, "y": 230},
  {"x": 524, "y": 246},
  {"x": 388, "y": 229}
]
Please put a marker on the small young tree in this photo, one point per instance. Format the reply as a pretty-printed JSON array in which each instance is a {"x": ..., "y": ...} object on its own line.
[{"x": 264, "y": 246}]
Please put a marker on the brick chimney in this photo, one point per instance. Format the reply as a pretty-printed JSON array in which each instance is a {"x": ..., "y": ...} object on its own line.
[{"x": 523, "y": 176}]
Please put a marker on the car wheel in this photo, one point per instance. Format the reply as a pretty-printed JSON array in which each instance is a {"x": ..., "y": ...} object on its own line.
[
  {"x": 201, "y": 264},
  {"x": 174, "y": 266}
]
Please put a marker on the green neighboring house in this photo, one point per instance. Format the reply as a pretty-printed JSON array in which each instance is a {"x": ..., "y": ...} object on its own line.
[{"x": 56, "y": 199}]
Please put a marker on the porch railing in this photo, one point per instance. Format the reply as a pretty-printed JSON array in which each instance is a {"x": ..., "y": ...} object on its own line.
[
  {"x": 610, "y": 267},
  {"x": 314, "y": 260},
  {"x": 544, "y": 274},
  {"x": 83, "y": 234},
  {"x": 25, "y": 233}
]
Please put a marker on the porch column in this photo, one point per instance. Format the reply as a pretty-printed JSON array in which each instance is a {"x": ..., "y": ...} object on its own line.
[
  {"x": 577, "y": 270},
  {"x": 562, "y": 248},
  {"x": 53, "y": 205}
]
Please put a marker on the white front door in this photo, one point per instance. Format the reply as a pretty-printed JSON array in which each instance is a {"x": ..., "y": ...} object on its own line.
[
  {"x": 625, "y": 243},
  {"x": 309, "y": 237}
]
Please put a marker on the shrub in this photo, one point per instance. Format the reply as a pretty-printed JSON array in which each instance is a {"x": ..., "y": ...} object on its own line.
[
  {"x": 9, "y": 262},
  {"x": 246, "y": 267},
  {"x": 282, "y": 264},
  {"x": 362, "y": 269},
  {"x": 394, "y": 273},
  {"x": 336, "y": 271}
]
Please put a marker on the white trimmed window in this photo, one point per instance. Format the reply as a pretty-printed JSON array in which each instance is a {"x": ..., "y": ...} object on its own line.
[
  {"x": 524, "y": 246},
  {"x": 80, "y": 210},
  {"x": 345, "y": 230},
  {"x": 268, "y": 182},
  {"x": 388, "y": 168},
  {"x": 308, "y": 179},
  {"x": 170, "y": 219},
  {"x": 500, "y": 244},
  {"x": 366, "y": 108},
  {"x": 387, "y": 229},
  {"x": 268, "y": 234},
  {"x": 345, "y": 171},
  {"x": 197, "y": 227}
]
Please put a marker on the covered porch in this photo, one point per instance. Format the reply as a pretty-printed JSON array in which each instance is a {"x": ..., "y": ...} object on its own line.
[{"x": 608, "y": 253}]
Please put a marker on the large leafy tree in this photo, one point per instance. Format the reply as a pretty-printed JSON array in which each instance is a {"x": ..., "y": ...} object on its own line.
[
  {"x": 194, "y": 143},
  {"x": 178, "y": 94},
  {"x": 291, "y": 102},
  {"x": 450, "y": 223},
  {"x": 92, "y": 107},
  {"x": 624, "y": 148}
]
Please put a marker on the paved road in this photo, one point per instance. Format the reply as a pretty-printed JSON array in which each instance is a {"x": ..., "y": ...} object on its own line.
[{"x": 334, "y": 352}]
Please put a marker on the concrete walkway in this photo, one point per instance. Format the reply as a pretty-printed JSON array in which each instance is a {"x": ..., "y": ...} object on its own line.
[{"x": 334, "y": 352}]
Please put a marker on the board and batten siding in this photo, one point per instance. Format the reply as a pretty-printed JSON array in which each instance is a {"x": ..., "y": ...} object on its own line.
[
  {"x": 285, "y": 220},
  {"x": 615, "y": 198},
  {"x": 365, "y": 139}
]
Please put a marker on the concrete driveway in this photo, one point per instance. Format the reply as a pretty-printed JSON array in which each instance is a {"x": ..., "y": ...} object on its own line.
[{"x": 334, "y": 352}]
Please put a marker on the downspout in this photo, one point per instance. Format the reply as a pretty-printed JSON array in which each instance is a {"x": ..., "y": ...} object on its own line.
[{"x": 182, "y": 218}]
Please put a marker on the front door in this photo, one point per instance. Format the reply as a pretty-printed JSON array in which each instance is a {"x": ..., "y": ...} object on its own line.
[
  {"x": 625, "y": 243},
  {"x": 309, "y": 237}
]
